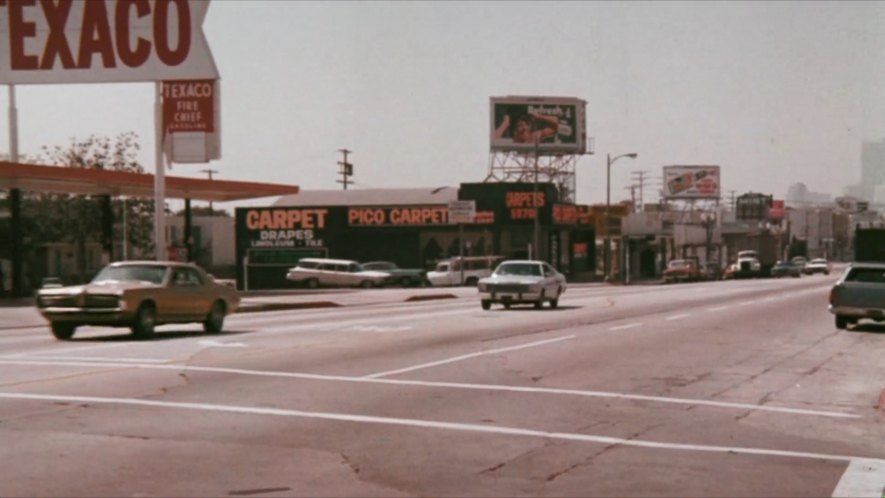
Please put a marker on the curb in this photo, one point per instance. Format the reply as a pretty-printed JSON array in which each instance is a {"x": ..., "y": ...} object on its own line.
[
  {"x": 431, "y": 297},
  {"x": 256, "y": 308}
]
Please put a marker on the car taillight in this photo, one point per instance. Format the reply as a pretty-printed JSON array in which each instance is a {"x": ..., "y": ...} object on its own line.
[{"x": 833, "y": 292}]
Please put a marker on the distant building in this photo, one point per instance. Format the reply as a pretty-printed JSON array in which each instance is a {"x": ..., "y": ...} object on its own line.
[
  {"x": 798, "y": 195},
  {"x": 872, "y": 163}
]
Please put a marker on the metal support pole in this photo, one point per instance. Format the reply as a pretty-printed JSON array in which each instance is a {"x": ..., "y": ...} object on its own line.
[
  {"x": 536, "y": 244},
  {"x": 125, "y": 232},
  {"x": 159, "y": 178},
  {"x": 606, "y": 250},
  {"x": 461, "y": 250},
  {"x": 15, "y": 203}
]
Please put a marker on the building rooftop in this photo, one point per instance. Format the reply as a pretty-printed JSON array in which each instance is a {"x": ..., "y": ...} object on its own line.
[{"x": 370, "y": 197}]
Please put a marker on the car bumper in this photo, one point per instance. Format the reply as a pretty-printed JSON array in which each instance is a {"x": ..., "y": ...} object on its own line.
[
  {"x": 96, "y": 316},
  {"x": 510, "y": 297},
  {"x": 855, "y": 312}
]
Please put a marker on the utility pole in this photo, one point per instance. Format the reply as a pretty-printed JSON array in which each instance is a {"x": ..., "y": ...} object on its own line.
[
  {"x": 639, "y": 179},
  {"x": 210, "y": 172},
  {"x": 732, "y": 199},
  {"x": 346, "y": 168}
]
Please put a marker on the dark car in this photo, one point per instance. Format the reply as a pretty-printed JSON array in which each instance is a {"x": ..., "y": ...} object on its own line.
[
  {"x": 406, "y": 277},
  {"x": 786, "y": 269}
]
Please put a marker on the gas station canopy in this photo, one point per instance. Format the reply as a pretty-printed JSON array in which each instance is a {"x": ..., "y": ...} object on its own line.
[{"x": 90, "y": 181}]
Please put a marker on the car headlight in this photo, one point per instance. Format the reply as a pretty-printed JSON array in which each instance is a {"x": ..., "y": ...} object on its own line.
[{"x": 533, "y": 288}]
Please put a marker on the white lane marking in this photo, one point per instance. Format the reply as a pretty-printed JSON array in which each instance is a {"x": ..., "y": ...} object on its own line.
[
  {"x": 769, "y": 299},
  {"x": 73, "y": 350},
  {"x": 429, "y": 424},
  {"x": 468, "y": 356},
  {"x": 863, "y": 478},
  {"x": 679, "y": 317},
  {"x": 87, "y": 358},
  {"x": 717, "y": 308},
  {"x": 218, "y": 344},
  {"x": 747, "y": 303},
  {"x": 452, "y": 385},
  {"x": 379, "y": 328},
  {"x": 625, "y": 327}
]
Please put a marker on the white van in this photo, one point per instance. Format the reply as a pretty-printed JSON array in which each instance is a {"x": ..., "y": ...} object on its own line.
[{"x": 448, "y": 272}]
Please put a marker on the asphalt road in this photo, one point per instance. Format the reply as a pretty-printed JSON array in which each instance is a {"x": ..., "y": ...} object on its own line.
[{"x": 712, "y": 389}]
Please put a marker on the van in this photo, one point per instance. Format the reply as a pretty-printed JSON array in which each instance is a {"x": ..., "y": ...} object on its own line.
[
  {"x": 448, "y": 272},
  {"x": 314, "y": 272}
]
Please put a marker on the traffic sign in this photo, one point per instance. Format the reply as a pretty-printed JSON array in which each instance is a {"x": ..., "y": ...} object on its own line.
[{"x": 462, "y": 211}]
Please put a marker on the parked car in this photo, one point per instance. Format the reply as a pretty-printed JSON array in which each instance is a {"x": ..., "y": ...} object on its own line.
[
  {"x": 314, "y": 272},
  {"x": 139, "y": 295},
  {"x": 859, "y": 293},
  {"x": 800, "y": 261},
  {"x": 681, "y": 270},
  {"x": 730, "y": 271},
  {"x": 403, "y": 276},
  {"x": 817, "y": 265},
  {"x": 786, "y": 269},
  {"x": 522, "y": 281},
  {"x": 448, "y": 272}
]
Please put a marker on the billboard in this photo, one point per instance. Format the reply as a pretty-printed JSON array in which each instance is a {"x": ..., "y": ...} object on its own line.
[
  {"x": 99, "y": 41},
  {"x": 691, "y": 182},
  {"x": 557, "y": 124}
]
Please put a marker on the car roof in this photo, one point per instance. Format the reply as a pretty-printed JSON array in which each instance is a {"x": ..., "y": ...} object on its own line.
[
  {"x": 868, "y": 264},
  {"x": 523, "y": 261},
  {"x": 181, "y": 264},
  {"x": 327, "y": 260}
]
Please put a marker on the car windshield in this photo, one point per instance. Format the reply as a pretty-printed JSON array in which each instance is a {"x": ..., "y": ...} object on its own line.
[
  {"x": 129, "y": 273},
  {"x": 679, "y": 263},
  {"x": 524, "y": 269},
  {"x": 818, "y": 261}
]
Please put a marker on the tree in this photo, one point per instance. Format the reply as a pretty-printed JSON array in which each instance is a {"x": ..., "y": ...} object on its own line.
[{"x": 77, "y": 219}]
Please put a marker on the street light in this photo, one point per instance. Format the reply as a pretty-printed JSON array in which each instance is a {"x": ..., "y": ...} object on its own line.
[{"x": 608, "y": 188}]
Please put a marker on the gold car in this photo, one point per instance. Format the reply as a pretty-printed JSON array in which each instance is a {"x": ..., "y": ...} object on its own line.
[{"x": 139, "y": 295}]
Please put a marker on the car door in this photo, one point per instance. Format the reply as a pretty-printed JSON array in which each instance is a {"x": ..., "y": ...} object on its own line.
[{"x": 189, "y": 296}]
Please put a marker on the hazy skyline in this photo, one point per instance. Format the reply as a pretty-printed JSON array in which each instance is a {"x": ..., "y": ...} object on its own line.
[{"x": 774, "y": 92}]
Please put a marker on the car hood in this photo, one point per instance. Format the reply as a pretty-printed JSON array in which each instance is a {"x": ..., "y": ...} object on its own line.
[
  {"x": 510, "y": 279},
  {"x": 97, "y": 288}
]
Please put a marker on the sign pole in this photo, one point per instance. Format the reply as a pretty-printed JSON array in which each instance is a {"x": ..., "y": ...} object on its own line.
[
  {"x": 461, "y": 249},
  {"x": 159, "y": 179}
]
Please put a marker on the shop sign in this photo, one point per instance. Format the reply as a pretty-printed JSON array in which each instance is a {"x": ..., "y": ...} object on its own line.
[
  {"x": 398, "y": 216},
  {"x": 291, "y": 227}
]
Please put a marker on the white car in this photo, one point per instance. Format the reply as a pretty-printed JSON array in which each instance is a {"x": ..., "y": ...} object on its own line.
[
  {"x": 314, "y": 272},
  {"x": 818, "y": 265},
  {"x": 520, "y": 282},
  {"x": 449, "y": 272}
]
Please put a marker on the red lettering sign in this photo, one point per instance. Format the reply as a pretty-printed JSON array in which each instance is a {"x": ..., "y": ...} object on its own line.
[
  {"x": 189, "y": 106},
  {"x": 53, "y": 41}
]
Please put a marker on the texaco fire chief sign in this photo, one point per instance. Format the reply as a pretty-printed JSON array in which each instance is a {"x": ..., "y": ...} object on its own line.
[{"x": 96, "y": 41}]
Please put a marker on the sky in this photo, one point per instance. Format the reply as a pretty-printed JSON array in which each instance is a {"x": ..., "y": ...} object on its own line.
[{"x": 773, "y": 92}]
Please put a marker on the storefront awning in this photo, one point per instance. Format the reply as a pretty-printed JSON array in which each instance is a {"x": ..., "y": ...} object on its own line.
[{"x": 58, "y": 179}]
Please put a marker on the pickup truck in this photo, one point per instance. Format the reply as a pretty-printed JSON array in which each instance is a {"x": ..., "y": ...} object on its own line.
[{"x": 859, "y": 293}]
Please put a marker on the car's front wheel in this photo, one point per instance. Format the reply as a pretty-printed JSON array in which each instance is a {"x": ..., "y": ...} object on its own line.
[
  {"x": 145, "y": 321},
  {"x": 215, "y": 321},
  {"x": 486, "y": 304},
  {"x": 312, "y": 283},
  {"x": 63, "y": 331}
]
